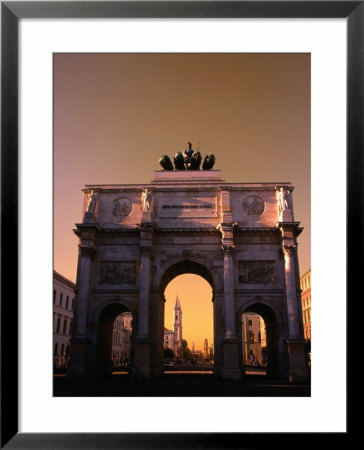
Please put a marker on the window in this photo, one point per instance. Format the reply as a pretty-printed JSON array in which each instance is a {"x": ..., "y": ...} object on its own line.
[
  {"x": 60, "y": 299},
  {"x": 67, "y": 300},
  {"x": 250, "y": 336},
  {"x": 54, "y": 296},
  {"x": 73, "y": 304},
  {"x": 64, "y": 326},
  {"x": 58, "y": 324},
  {"x": 62, "y": 349},
  {"x": 56, "y": 349},
  {"x": 250, "y": 323}
]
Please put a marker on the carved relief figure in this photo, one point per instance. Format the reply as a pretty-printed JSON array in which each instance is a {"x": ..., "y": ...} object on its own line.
[
  {"x": 146, "y": 200},
  {"x": 121, "y": 207},
  {"x": 117, "y": 273},
  {"x": 257, "y": 272},
  {"x": 253, "y": 206}
]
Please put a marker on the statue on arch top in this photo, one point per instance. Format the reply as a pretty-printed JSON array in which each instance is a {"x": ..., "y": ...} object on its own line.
[{"x": 187, "y": 160}]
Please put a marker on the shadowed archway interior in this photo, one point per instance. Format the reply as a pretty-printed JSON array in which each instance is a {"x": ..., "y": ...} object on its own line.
[{"x": 104, "y": 336}]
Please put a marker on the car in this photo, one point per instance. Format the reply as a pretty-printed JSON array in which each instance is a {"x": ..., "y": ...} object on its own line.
[{"x": 168, "y": 363}]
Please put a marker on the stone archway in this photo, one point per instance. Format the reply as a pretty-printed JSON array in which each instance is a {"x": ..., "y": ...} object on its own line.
[
  {"x": 182, "y": 267},
  {"x": 104, "y": 335},
  {"x": 276, "y": 335},
  {"x": 234, "y": 235}
]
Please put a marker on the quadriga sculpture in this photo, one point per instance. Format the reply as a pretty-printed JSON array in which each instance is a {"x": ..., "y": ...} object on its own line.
[
  {"x": 189, "y": 159},
  {"x": 165, "y": 162},
  {"x": 179, "y": 161}
]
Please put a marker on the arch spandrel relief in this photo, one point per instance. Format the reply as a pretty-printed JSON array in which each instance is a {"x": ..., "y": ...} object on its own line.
[
  {"x": 257, "y": 272},
  {"x": 116, "y": 273}
]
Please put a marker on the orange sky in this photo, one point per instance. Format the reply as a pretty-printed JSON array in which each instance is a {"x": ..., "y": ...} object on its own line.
[{"x": 116, "y": 114}]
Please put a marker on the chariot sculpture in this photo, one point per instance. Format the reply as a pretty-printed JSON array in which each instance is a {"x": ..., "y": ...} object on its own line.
[{"x": 188, "y": 160}]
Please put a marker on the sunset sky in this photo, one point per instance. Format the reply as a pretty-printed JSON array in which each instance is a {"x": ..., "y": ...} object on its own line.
[{"x": 116, "y": 114}]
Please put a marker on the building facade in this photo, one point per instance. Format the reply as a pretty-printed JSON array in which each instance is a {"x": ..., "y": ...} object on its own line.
[
  {"x": 63, "y": 307},
  {"x": 121, "y": 344},
  {"x": 305, "y": 283},
  {"x": 240, "y": 237},
  {"x": 251, "y": 332}
]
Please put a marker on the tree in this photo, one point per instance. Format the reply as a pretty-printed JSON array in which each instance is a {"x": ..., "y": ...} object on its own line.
[{"x": 168, "y": 353}]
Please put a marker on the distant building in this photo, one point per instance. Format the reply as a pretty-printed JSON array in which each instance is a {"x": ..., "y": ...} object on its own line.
[
  {"x": 63, "y": 306},
  {"x": 168, "y": 338},
  {"x": 305, "y": 282},
  {"x": 251, "y": 333},
  {"x": 121, "y": 338},
  {"x": 173, "y": 339},
  {"x": 205, "y": 349}
]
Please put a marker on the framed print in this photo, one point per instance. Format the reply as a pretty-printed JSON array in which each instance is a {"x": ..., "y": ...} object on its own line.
[{"x": 59, "y": 55}]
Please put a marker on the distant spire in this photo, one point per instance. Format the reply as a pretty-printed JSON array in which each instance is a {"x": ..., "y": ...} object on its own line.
[{"x": 177, "y": 305}]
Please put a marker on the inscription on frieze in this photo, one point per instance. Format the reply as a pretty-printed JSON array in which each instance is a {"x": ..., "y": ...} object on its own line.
[
  {"x": 187, "y": 207},
  {"x": 207, "y": 255},
  {"x": 117, "y": 273},
  {"x": 257, "y": 272}
]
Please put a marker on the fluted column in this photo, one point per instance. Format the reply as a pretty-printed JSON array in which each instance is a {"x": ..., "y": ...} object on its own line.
[
  {"x": 291, "y": 291},
  {"x": 144, "y": 292},
  {"x": 230, "y": 331}
]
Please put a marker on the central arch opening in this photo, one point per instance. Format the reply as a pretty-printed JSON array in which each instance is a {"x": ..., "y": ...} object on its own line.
[{"x": 188, "y": 319}]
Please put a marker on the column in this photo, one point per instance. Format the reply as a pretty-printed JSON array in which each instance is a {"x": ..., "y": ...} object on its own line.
[
  {"x": 86, "y": 253},
  {"x": 291, "y": 292},
  {"x": 142, "y": 343},
  {"x": 297, "y": 370},
  {"x": 231, "y": 368},
  {"x": 229, "y": 292},
  {"x": 144, "y": 292},
  {"x": 79, "y": 364}
]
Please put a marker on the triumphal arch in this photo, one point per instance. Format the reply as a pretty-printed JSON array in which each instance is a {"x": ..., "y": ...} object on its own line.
[{"x": 134, "y": 239}]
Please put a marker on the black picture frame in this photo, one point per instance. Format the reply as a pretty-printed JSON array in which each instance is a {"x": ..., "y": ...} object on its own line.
[{"x": 11, "y": 12}]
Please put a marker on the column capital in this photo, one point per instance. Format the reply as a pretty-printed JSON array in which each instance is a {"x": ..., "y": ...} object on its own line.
[
  {"x": 228, "y": 248},
  {"x": 289, "y": 249},
  {"x": 87, "y": 250}
]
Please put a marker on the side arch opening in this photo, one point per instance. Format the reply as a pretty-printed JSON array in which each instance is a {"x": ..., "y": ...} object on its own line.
[{"x": 113, "y": 338}]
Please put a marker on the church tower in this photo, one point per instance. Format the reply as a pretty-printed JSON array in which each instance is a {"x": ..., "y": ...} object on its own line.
[{"x": 178, "y": 328}]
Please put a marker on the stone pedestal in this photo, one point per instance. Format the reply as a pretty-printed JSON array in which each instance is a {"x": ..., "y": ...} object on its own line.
[
  {"x": 297, "y": 362},
  {"x": 89, "y": 217},
  {"x": 231, "y": 369},
  {"x": 286, "y": 216},
  {"x": 141, "y": 365},
  {"x": 79, "y": 358},
  {"x": 147, "y": 217}
]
